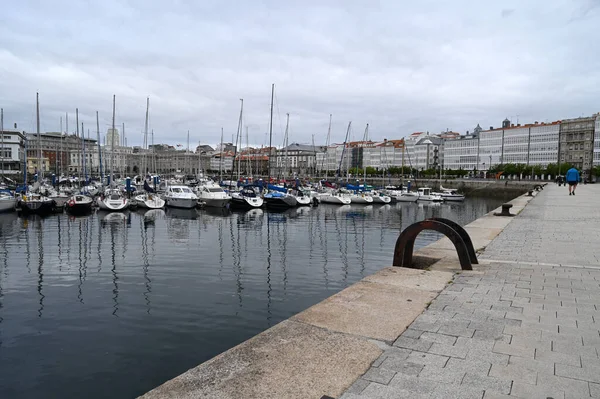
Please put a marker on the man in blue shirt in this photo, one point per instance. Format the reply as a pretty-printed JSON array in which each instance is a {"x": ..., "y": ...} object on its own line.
[{"x": 572, "y": 178}]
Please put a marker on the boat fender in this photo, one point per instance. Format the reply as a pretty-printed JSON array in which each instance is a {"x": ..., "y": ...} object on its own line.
[{"x": 71, "y": 202}]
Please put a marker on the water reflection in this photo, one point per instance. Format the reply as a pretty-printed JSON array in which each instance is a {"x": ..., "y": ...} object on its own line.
[{"x": 165, "y": 290}]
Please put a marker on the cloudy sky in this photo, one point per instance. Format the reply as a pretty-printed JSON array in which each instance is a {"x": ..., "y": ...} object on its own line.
[{"x": 399, "y": 66}]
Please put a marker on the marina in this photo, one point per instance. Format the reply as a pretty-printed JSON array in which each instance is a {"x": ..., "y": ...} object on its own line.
[{"x": 116, "y": 303}]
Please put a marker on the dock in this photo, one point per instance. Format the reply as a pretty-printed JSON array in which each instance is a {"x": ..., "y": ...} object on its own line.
[{"x": 525, "y": 323}]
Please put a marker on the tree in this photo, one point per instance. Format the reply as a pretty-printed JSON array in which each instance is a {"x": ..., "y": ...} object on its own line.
[
  {"x": 371, "y": 170},
  {"x": 596, "y": 171}
]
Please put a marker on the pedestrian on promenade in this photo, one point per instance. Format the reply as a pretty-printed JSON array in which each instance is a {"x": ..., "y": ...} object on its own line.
[{"x": 572, "y": 178}]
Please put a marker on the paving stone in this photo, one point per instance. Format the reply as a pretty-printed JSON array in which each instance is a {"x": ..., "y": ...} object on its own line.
[
  {"x": 439, "y": 338},
  {"x": 514, "y": 372},
  {"x": 594, "y": 390},
  {"x": 412, "y": 333},
  {"x": 528, "y": 391},
  {"x": 591, "y": 374},
  {"x": 446, "y": 375},
  {"x": 449, "y": 350},
  {"x": 420, "y": 345},
  {"x": 358, "y": 386},
  {"x": 379, "y": 375},
  {"x": 557, "y": 357},
  {"x": 402, "y": 366},
  {"x": 487, "y": 383},
  {"x": 573, "y": 389},
  {"x": 469, "y": 366},
  {"x": 427, "y": 359}
]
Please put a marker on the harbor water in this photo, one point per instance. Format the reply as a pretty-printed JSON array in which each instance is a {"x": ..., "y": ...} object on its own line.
[{"x": 112, "y": 305}]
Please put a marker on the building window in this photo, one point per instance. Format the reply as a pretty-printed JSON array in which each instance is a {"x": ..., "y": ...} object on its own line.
[{"x": 6, "y": 152}]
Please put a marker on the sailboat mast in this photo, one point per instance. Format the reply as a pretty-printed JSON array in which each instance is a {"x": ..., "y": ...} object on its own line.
[
  {"x": 61, "y": 140},
  {"x": 146, "y": 137},
  {"x": 239, "y": 136},
  {"x": 77, "y": 133},
  {"x": 99, "y": 148},
  {"x": 187, "y": 155},
  {"x": 286, "y": 144},
  {"x": 56, "y": 152},
  {"x": 314, "y": 154},
  {"x": 83, "y": 153},
  {"x": 112, "y": 143},
  {"x": 363, "y": 157},
  {"x": 248, "y": 160},
  {"x": 271, "y": 131},
  {"x": 153, "y": 157},
  {"x": 326, "y": 157},
  {"x": 39, "y": 135},
  {"x": 221, "y": 158},
  {"x": 344, "y": 152},
  {"x": 120, "y": 159}
]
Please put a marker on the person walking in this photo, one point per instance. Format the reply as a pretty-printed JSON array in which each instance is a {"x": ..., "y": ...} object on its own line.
[{"x": 572, "y": 178}]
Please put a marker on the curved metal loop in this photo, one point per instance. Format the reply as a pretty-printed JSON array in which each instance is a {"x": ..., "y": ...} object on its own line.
[
  {"x": 464, "y": 235},
  {"x": 405, "y": 244}
]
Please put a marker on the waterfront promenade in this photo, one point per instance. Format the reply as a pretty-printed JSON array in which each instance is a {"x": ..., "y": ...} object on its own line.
[{"x": 524, "y": 324}]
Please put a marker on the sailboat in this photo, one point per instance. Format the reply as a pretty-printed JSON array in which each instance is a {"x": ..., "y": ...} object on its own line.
[
  {"x": 149, "y": 199},
  {"x": 80, "y": 203},
  {"x": 34, "y": 202},
  {"x": 278, "y": 197},
  {"x": 112, "y": 199}
]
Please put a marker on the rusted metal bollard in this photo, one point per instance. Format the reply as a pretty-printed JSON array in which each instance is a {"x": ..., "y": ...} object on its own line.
[
  {"x": 505, "y": 210},
  {"x": 403, "y": 253}
]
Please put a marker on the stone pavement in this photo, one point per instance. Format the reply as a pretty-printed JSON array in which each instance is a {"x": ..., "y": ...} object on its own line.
[{"x": 524, "y": 324}]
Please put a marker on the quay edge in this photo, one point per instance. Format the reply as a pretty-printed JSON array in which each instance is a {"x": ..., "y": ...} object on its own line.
[{"x": 324, "y": 349}]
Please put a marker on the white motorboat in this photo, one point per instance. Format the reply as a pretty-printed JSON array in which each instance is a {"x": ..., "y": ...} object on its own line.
[
  {"x": 60, "y": 197},
  {"x": 407, "y": 196},
  {"x": 335, "y": 198},
  {"x": 90, "y": 190},
  {"x": 8, "y": 202},
  {"x": 425, "y": 194},
  {"x": 149, "y": 201},
  {"x": 212, "y": 195},
  {"x": 112, "y": 200},
  {"x": 79, "y": 204},
  {"x": 380, "y": 198},
  {"x": 180, "y": 197},
  {"x": 449, "y": 194},
  {"x": 246, "y": 198},
  {"x": 361, "y": 198},
  {"x": 303, "y": 198}
]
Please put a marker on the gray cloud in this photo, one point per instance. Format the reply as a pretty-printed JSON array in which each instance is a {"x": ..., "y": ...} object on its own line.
[{"x": 399, "y": 67}]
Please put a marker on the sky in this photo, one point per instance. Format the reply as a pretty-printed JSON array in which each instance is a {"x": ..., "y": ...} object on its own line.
[{"x": 398, "y": 66}]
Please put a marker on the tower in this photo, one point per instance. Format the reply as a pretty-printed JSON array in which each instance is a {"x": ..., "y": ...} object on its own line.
[{"x": 505, "y": 123}]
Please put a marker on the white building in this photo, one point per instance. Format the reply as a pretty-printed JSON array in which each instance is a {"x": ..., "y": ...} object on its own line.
[
  {"x": 597, "y": 142},
  {"x": 110, "y": 135},
  {"x": 461, "y": 153},
  {"x": 12, "y": 151},
  {"x": 223, "y": 162},
  {"x": 515, "y": 147},
  {"x": 490, "y": 148},
  {"x": 428, "y": 152},
  {"x": 543, "y": 143}
]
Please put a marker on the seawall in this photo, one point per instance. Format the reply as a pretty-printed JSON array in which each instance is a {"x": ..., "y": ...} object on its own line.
[{"x": 324, "y": 349}]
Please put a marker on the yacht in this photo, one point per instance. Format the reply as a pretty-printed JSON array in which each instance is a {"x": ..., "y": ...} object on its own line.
[
  {"x": 112, "y": 200},
  {"x": 246, "y": 198},
  {"x": 36, "y": 203},
  {"x": 79, "y": 204},
  {"x": 335, "y": 198},
  {"x": 361, "y": 198},
  {"x": 278, "y": 198},
  {"x": 180, "y": 197},
  {"x": 380, "y": 198},
  {"x": 449, "y": 194},
  {"x": 8, "y": 201},
  {"x": 149, "y": 201},
  {"x": 302, "y": 197},
  {"x": 425, "y": 194},
  {"x": 212, "y": 195}
]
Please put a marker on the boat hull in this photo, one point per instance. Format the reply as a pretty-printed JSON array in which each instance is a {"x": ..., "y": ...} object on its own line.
[
  {"x": 359, "y": 199},
  {"x": 215, "y": 202},
  {"x": 378, "y": 199},
  {"x": 281, "y": 202},
  {"x": 60, "y": 200},
  {"x": 37, "y": 207},
  {"x": 407, "y": 198},
  {"x": 150, "y": 203},
  {"x": 183, "y": 203},
  {"x": 8, "y": 204},
  {"x": 82, "y": 208},
  {"x": 453, "y": 198},
  {"x": 110, "y": 205},
  {"x": 335, "y": 199},
  {"x": 246, "y": 202},
  {"x": 303, "y": 201}
]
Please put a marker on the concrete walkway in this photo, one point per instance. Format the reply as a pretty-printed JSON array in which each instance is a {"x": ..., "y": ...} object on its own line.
[{"x": 525, "y": 324}]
